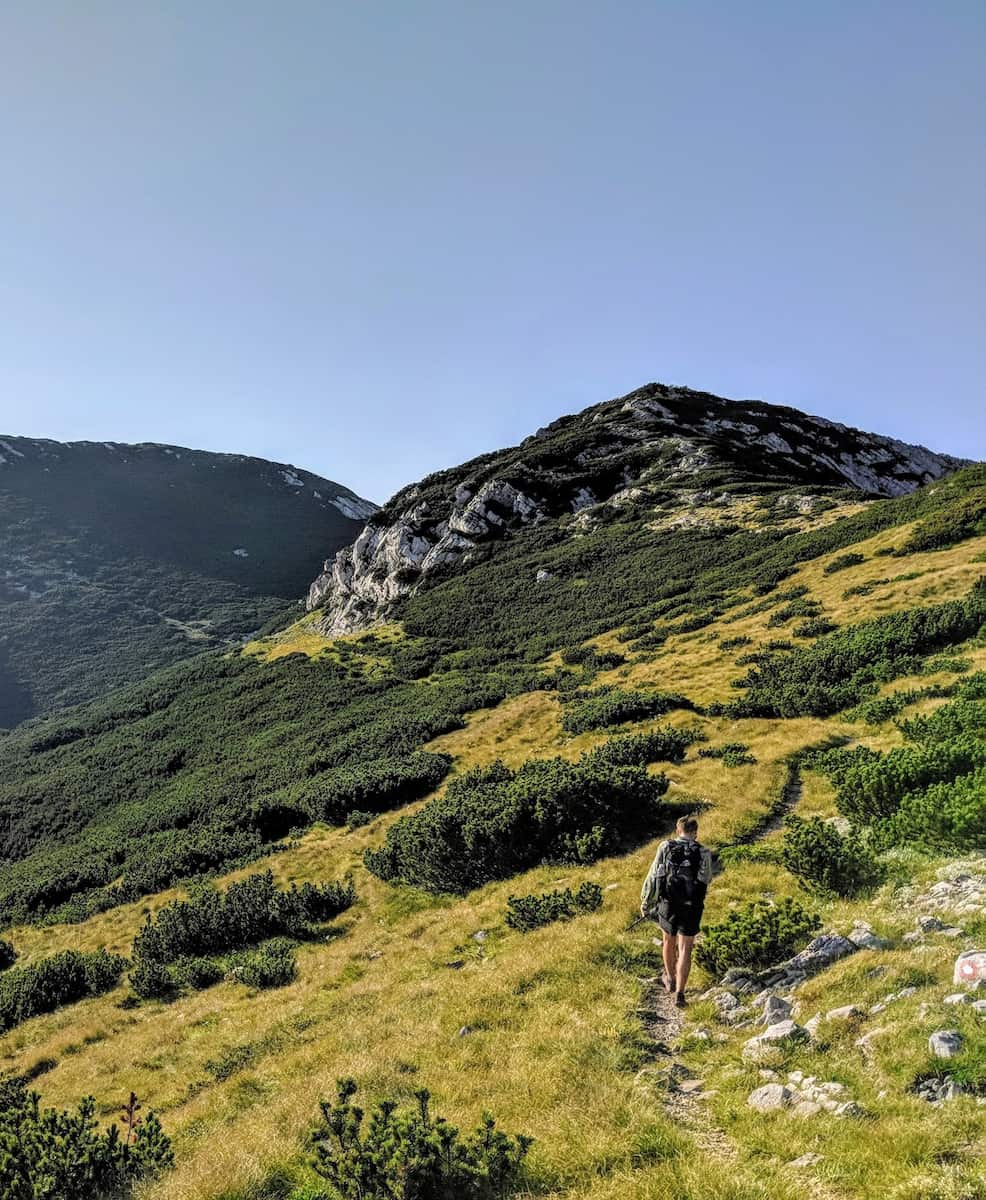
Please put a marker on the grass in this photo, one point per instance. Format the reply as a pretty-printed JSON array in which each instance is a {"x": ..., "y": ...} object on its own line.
[{"x": 554, "y": 1048}]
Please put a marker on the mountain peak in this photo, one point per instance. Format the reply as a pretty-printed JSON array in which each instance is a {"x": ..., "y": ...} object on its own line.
[{"x": 633, "y": 449}]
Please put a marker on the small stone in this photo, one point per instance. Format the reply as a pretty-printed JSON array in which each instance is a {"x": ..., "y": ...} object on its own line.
[
  {"x": 958, "y": 998},
  {"x": 864, "y": 938},
  {"x": 849, "y": 1109},
  {"x": 691, "y": 1086},
  {"x": 805, "y": 1160},
  {"x": 767, "y": 1073},
  {"x": 979, "y": 1006},
  {"x": 701, "y": 1035},
  {"x": 929, "y": 924},
  {"x": 795, "y": 1076},
  {"x": 950, "y": 1090},
  {"x": 946, "y": 1043},
  {"x": 769, "y": 1098},
  {"x": 910, "y": 938},
  {"x": 807, "y": 1108},
  {"x": 465, "y": 1031},
  {"x": 951, "y": 931},
  {"x": 848, "y": 1012},
  {"x": 456, "y": 964},
  {"x": 610, "y": 886},
  {"x": 775, "y": 1009},
  {"x": 480, "y": 935}
]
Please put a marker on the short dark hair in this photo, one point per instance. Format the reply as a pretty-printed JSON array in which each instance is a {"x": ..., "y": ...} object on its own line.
[{"x": 688, "y": 824}]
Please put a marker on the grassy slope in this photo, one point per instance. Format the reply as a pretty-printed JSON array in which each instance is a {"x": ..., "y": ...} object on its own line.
[{"x": 551, "y": 1050}]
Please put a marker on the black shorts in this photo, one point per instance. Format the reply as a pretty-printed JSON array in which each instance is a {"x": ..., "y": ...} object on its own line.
[{"x": 685, "y": 921}]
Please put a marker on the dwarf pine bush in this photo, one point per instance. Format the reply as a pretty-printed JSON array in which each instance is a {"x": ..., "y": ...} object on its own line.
[
  {"x": 531, "y": 912},
  {"x": 8, "y": 955},
  {"x": 595, "y": 709},
  {"x": 756, "y": 935},
  {"x": 248, "y": 912},
  {"x": 51, "y": 982},
  {"x": 665, "y": 744},
  {"x": 492, "y": 822},
  {"x": 826, "y": 861},
  {"x": 412, "y": 1155},
  {"x": 842, "y": 561},
  {"x": 732, "y": 754},
  {"x": 53, "y": 1154}
]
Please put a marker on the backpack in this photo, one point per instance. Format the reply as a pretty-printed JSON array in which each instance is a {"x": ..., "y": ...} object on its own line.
[{"x": 682, "y": 865}]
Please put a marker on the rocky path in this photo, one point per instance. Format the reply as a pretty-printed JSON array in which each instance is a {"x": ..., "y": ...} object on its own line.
[{"x": 682, "y": 1092}]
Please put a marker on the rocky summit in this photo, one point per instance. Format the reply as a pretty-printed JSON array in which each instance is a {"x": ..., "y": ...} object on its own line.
[{"x": 657, "y": 444}]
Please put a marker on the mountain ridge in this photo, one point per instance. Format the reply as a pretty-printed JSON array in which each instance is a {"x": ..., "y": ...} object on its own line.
[{"x": 610, "y": 454}]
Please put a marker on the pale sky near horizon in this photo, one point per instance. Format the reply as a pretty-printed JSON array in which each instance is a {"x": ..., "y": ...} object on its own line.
[{"x": 376, "y": 239}]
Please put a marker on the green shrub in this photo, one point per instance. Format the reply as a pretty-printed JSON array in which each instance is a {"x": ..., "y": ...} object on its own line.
[
  {"x": 412, "y": 1154},
  {"x": 375, "y": 786},
  {"x": 842, "y": 561},
  {"x": 734, "y": 643},
  {"x": 51, "y": 982},
  {"x": 531, "y": 912},
  {"x": 797, "y": 608},
  {"x": 589, "y": 656},
  {"x": 756, "y": 935},
  {"x": 357, "y": 819},
  {"x": 827, "y": 862},
  {"x": 863, "y": 589},
  {"x": 249, "y": 912},
  {"x": 8, "y": 955},
  {"x": 665, "y": 744},
  {"x": 964, "y": 518},
  {"x": 53, "y": 1154},
  {"x": 839, "y": 669},
  {"x": 950, "y": 815},
  {"x": 587, "y": 710},
  {"x": 732, "y": 754},
  {"x": 492, "y": 822},
  {"x": 270, "y": 965},
  {"x": 955, "y": 664},
  {"x": 814, "y": 627}
]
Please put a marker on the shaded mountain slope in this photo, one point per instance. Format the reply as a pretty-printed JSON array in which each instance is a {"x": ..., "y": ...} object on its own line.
[{"x": 117, "y": 559}]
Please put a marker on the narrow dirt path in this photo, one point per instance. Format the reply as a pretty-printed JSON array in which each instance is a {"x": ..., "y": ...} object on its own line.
[{"x": 682, "y": 1092}]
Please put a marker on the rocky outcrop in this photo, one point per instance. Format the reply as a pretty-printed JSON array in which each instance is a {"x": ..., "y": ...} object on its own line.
[{"x": 625, "y": 454}]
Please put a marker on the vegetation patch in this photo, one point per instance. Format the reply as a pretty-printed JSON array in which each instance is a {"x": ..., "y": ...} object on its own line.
[
  {"x": 531, "y": 912},
  {"x": 491, "y": 822},
  {"x": 731, "y": 754},
  {"x": 172, "y": 949},
  {"x": 756, "y": 935},
  {"x": 826, "y": 861},
  {"x": 596, "y": 709},
  {"x": 52, "y": 982},
  {"x": 411, "y": 1153},
  {"x": 52, "y": 1154}
]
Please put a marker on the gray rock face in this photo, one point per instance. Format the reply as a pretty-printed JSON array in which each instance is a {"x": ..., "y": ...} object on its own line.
[
  {"x": 863, "y": 937},
  {"x": 622, "y": 453},
  {"x": 769, "y": 1098},
  {"x": 946, "y": 1043}
]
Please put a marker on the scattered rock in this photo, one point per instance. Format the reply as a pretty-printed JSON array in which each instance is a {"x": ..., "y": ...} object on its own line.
[
  {"x": 958, "y": 998},
  {"x": 910, "y": 939},
  {"x": 945, "y": 1043},
  {"x": 863, "y": 937},
  {"x": 774, "y": 1037},
  {"x": 480, "y": 935},
  {"x": 465, "y": 1031},
  {"x": 848, "y": 1012},
  {"x": 775, "y": 1009},
  {"x": 929, "y": 924},
  {"x": 935, "y": 1090},
  {"x": 806, "y": 1160},
  {"x": 980, "y": 1007},
  {"x": 610, "y": 886},
  {"x": 849, "y": 1109},
  {"x": 456, "y": 964},
  {"x": 769, "y": 1098}
]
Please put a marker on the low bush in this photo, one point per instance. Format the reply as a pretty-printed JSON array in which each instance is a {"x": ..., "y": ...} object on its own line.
[
  {"x": 412, "y": 1154},
  {"x": 863, "y": 589},
  {"x": 734, "y": 643},
  {"x": 950, "y": 815},
  {"x": 358, "y": 818},
  {"x": 492, "y": 822},
  {"x": 589, "y": 656},
  {"x": 600, "y": 707},
  {"x": 732, "y": 754},
  {"x": 249, "y": 912},
  {"x": 375, "y": 786},
  {"x": 842, "y": 561},
  {"x": 665, "y": 744},
  {"x": 963, "y": 518},
  {"x": 51, "y": 982},
  {"x": 797, "y": 608},
  {"x": 839, "y": 669},
  {"x": 814, "y": 627},
  {"x": 756, "y": 935},
  {"x": 531, "y": 912},
  {"x": 827, "y": 862},
  {"x": 54, "y": 1154},
  {"x": 270, "y": 965},
  {"x": 8, "y": 955}
]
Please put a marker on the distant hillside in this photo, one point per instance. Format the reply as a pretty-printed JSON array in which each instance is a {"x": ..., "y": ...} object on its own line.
[{"x": 116, "y": 559}]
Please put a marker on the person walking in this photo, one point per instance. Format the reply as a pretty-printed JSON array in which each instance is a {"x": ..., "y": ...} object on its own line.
[{"x": 675, "y": 890}]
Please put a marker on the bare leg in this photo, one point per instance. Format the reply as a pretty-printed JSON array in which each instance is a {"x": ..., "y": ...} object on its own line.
[
  {"x": 684, "y": 959},
  {"x": 669, "y": 948}
]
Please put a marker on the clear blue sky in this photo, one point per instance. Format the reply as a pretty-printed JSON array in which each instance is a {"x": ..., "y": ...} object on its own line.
[{"x": 374, "y": 239}]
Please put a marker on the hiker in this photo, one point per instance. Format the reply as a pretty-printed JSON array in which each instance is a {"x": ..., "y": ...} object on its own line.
[{"x": 675, "y": 890}]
